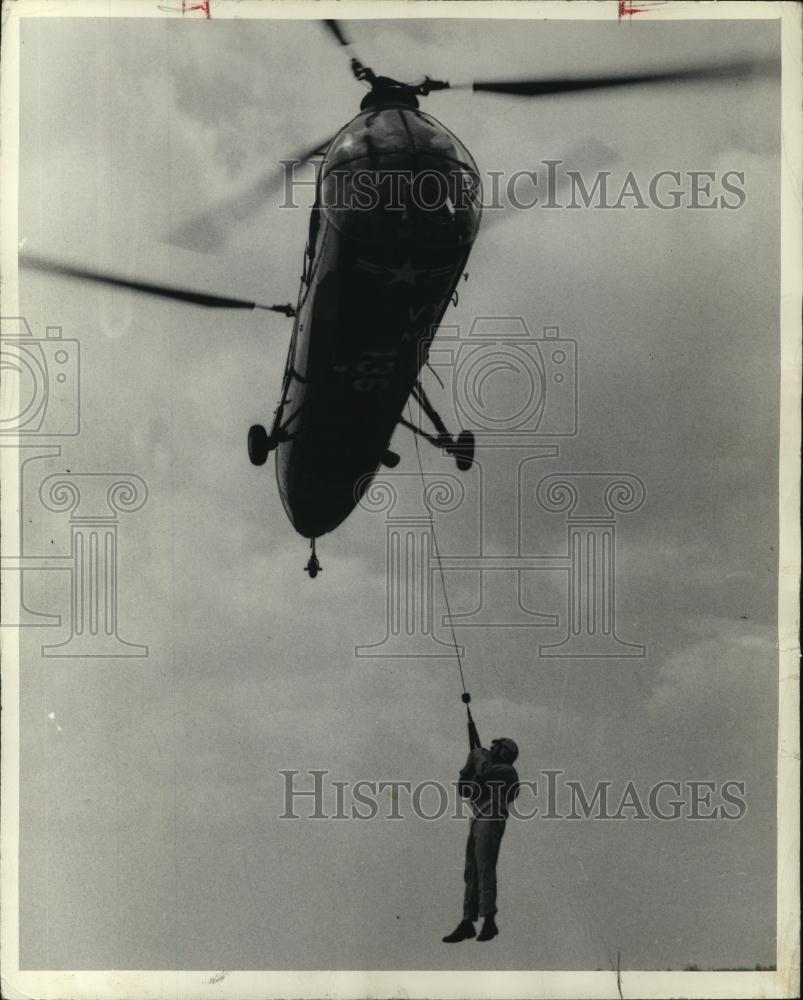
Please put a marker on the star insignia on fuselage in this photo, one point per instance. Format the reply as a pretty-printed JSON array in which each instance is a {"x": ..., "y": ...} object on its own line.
[{"x": 405, "y": 274}]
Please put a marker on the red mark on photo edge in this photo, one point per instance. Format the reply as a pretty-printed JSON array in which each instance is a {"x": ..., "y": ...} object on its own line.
[
  {"x": 203, "y": 6},
  {"x": 625, "y": 10},
  {"x": 649, "y": 6}
]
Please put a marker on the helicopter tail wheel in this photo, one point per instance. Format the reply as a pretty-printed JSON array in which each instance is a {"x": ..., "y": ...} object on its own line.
[
  {"x": 313, "y": 567},
  {"x": 259, "y": 445},
  {"x": 463, "y": 450}
]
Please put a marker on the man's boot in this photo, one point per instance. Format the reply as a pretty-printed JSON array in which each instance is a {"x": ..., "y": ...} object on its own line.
[
  {"x": 489, "y": 929},
  {"x": 464, "y": 930}
]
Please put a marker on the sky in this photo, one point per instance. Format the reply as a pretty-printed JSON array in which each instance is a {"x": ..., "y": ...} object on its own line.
[{"x": 150, "y": 788}]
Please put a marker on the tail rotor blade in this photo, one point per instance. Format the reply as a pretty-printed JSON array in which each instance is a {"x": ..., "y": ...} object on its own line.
[{"x": 48, "y": 265}]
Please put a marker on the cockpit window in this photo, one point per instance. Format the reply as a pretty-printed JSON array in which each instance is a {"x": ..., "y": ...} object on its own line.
[{"x": 397, "y": 174}]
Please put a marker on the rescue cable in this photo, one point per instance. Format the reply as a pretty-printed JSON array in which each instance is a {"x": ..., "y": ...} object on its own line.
[{"x": 473, "y": 736}]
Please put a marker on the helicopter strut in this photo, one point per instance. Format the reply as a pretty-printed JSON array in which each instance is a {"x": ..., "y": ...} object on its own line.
[{"x": 460, "y": 448}]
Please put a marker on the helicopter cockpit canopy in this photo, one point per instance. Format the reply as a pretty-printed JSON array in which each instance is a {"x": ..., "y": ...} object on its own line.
[{"x": 395, "y": 173}]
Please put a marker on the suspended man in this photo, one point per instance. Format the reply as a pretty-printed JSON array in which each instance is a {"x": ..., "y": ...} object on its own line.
[{"x": 490, "y": 781}]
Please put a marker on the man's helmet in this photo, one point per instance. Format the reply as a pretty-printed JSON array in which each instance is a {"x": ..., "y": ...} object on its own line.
[{"x": 510, "y": 746}]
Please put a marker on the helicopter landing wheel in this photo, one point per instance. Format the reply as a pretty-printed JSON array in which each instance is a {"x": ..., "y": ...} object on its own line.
[
  {"x": 258, "y": 445},
  {"x": 463, "y": 450}
]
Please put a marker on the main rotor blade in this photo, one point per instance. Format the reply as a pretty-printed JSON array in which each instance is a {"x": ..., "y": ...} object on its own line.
[
  {"x": 337, "y": 31},
  {"x": 210, "y": 229},
  {"x": 47, "y": 265},
  {"x": 541, "y": 88},
  {"x": 358, "y": 69}
]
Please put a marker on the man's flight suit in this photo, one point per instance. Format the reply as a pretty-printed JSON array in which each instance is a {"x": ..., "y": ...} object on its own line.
[{"x": 491, "y": 786}]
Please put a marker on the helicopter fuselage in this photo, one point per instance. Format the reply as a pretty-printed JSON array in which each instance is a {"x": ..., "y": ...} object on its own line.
[{"x": 397, "y": 210}]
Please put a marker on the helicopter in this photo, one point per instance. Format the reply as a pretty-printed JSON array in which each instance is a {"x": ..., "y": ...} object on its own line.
[{"x": 380, "y": 268}]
